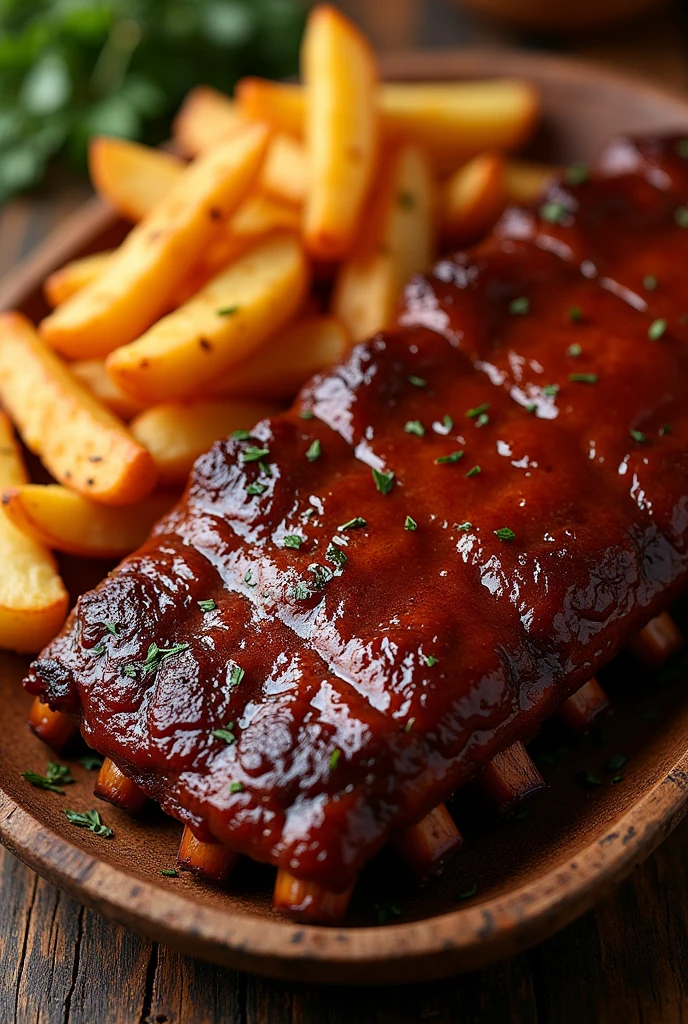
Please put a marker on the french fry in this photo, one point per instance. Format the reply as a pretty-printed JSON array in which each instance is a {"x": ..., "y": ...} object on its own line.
[
  {"x": 74, "y": 276},
  {"x": 142, "y": 277},
  {"x": 288, "y": 360},
  {"x": 93, "y": 375},
  {"x": 177, "y": 433},
  {"x": 131, "y": 177},
  {"x": 453, "y": 121},
  {"x": 78, "y": 440},
  {"x": 395, "y": 241},
  {"x": 285, "y": 173},
  {"x": 232, "y": 316},
  {"x": 472, "y": 199},
  {"x": 65, "y": 521},
  {"x": 341, "y": 130},
  {"x": 525, "y": 181},
  {"x": 33, "y": 598},
  {"x": 205, "y": 117}
]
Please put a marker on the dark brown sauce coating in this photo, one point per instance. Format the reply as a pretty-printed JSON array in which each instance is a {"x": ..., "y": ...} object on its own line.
[{"x": 384, "y": 663}]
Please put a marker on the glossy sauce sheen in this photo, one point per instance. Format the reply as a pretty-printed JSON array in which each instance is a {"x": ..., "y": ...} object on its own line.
[{"x": 374, "y": 687}]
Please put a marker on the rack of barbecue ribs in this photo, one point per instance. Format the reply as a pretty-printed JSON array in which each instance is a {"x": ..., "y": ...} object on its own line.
[{"x": 382, "y": 594}]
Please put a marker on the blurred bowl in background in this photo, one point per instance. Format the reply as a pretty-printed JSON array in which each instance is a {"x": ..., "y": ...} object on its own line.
[{"x": 562, "y": 15}]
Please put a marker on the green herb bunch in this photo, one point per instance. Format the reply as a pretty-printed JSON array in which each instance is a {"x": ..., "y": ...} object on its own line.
[{"x": 70, "y": 69}]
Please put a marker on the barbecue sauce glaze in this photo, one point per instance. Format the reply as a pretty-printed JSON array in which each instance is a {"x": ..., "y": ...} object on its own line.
[{"x": 358, "y": 675}]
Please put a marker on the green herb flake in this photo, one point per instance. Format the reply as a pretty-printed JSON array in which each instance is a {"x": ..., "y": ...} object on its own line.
[
  {"x": 418, "y": 382},
  {"x": 236, "y": 787},
  {"x": 616, "y": 762},
  {"x": 256, "y": 489},
  {"x": 638, "y": 436},
  {"x": 99, "y": 649},
  {"x": 575, "y": 314},
  {"x": 169, "y": 873},
  {"x": 334, "y": 758},
  {"x": 306, "y": 414},
  {"x": 681, "y": 216},
  {"x": 656, "y": 329},
  {"x": 520, "y": 306},
  {"x": 553, "y": 212},
  {"x": 576, "y": 174},
  {"x": 249, "y": 580},
  {"x": 650, "y": 283},
  {"x": 441, "y": 460},
  {"x": 463, "y": 527},
  {"x": 56, "y": 776},
  {"x": 156, "y": 655},
  {"x": 551, "y": 390},
  {"x": 91, "y": 762},
  {"x": 335, "y": 555},
  {"x": 292, "y": 540},
  {"x": 430, "y": 660},
  {"x": 207, "y": 606},
  {"x": 252, "y": 453},
  {"x": 111, "y": 628},
  {"x": 447, "y": 422},
  {"x": 504, "y": 533},
  {"x": 617, "y": 779},
  {"x": 240, "y": 435},
  {"x": 468, "y": 893},
  {"x": 410, "y": 524},
  {"x": 574, "y": 350},
  {"x": 475, "y": 471},
  {"x": 314, "y": 451},
  {"x": 301, "y": 591},
  {"x": 264, "y": 468},
  {"x": 589, "y": 778},
  {"x": 91, "y": 821},
  {"x": 227, "y": 310},
  {"x": 665, "y": 429},
  {"x": 482, "y": 420},
  {"x": 408, "y": 726},
  {"x": 357, "y": 523},
  {"x": 384, "y": 481},
  {"x": 583, "y": 378},
  {"x": 414, "y": 427},
  {"x": 226, "y": 733},
  {"x": 323, "y": 574},
  {"x": 236, "y": 674},
  {"x": 384, "y": 913}
]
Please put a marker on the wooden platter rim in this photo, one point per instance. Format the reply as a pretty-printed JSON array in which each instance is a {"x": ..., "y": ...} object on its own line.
[{"x": 460, "y": 939}]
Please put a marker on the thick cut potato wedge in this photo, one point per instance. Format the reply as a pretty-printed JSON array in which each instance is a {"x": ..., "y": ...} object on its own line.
[
  {"x": 131, "y": 177},
  {"x": 65, "y": 521},
  {"x": 177, "y": 433},
  {"x": 453, "y": 121},
  {"x": 77, "y": 439},
  {"x": 526, "y": 181},
  {"x": 341, "y": 130},
  {"x": 230, "y": 317},
  {"x": 205, "y": 118},
  {"x": 472, "y": 199},
  {"x": 94, "y": 376},
  {"x": 33, "y": 598},
  {"x": 396, "y": 240},
  {"x": 285, "y": 172},
  {"x": 74, "y": 276},
  {"x": 142, "y": 277},
  {"x": 288, "y": 360}
]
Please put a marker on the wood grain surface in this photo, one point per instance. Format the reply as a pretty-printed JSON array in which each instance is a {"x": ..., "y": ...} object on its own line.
[{"x": 626, "y": 961}]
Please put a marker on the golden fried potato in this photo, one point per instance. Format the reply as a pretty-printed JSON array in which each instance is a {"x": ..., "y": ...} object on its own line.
[
  {"x": 74, "y": 276},
  {"x": 93, "y": 375},
  {"x": 130, "y": 177},
  {"x": 205, "y": 118},
  {"x": 472, "y": 199}
]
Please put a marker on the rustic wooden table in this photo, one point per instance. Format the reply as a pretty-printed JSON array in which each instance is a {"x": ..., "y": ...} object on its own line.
[{"x": 625, "y": 961}]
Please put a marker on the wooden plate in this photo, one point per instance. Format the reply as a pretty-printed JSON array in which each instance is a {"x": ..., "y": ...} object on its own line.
[{"x": 516, "y": 881}]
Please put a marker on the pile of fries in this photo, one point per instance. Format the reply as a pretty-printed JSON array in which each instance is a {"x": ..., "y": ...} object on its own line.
[{"x": 277, "y": 232}]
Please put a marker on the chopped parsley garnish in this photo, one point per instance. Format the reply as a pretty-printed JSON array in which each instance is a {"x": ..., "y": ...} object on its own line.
[
  {"x": 226, "y": 734},
  {"x": 551, "y": 390},
  {"x": 553, "y": 212},
  {"x": 56, "y": 776},
  {"x": 91, "y": 821},
  {"x": 656, "y": 329},
  {"x": 154, "y": 659},
  {"x": 249, "y": 580},
  {"x": 236, "y": 787},
  {"x": 665, "y": 429},
  {"x": 264, "y": 468},
  {"x": 335, "y": 555},
  {"x": 241, "y": 435},
  {"x": 473, "y": 414},
  {"x": 252, "y": 453},
  {"x": 357, "y": 523},
  {"x": 575, "y": 314},
  {"x": 430, "y": 660},
  {"x": 169, "y": 873},
  {"x": 504, "y": 533},
  {"x": 463, "y": 527},
  {"x": 334, "y": 758},
  {"x": 256, "y": 488},
  {"x": 452, "y": 457},
  {"x": 323, "y": 574},
  {"x": 292, "y": 540},
  {"x": 306, "y": 414},
  {"x": 482, "y": 420},
  {"x": 410, "y": 524},
  {"x": 681, "y": 216},
  {"x": 638, "y": 436},
  {"x": 583, "y": 378},
  {"x": 418, "y": 382},
  {"x": 414, "y": 427},
  {"x": 468, "y": 893},
  {"x": 111, "y": 628},
  {"x": 384, "y": 481},
  {"x": 447, "y": 422},
  {"x": 207, "y": 606},
  {"x": 616, "y": 762},
  {"x": 314, "y": 451},
  {"x": 99, "y": 649},
  {"x": 574, "y": 350},
  {"x": 91, "y": 761},
  {"x": 236, "y": 674},
  {"x": 228, "y": 311},
  {"x": 302, "y": 591},
  {"x": 474, "y": 471},
  {"x": 576, "y": 174},
  {"x": 383, "y": 913},
  {"x": 409, "y": 725},
  {"x": 519, "y": 306},
  {"x": 649, "y": 282}
]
